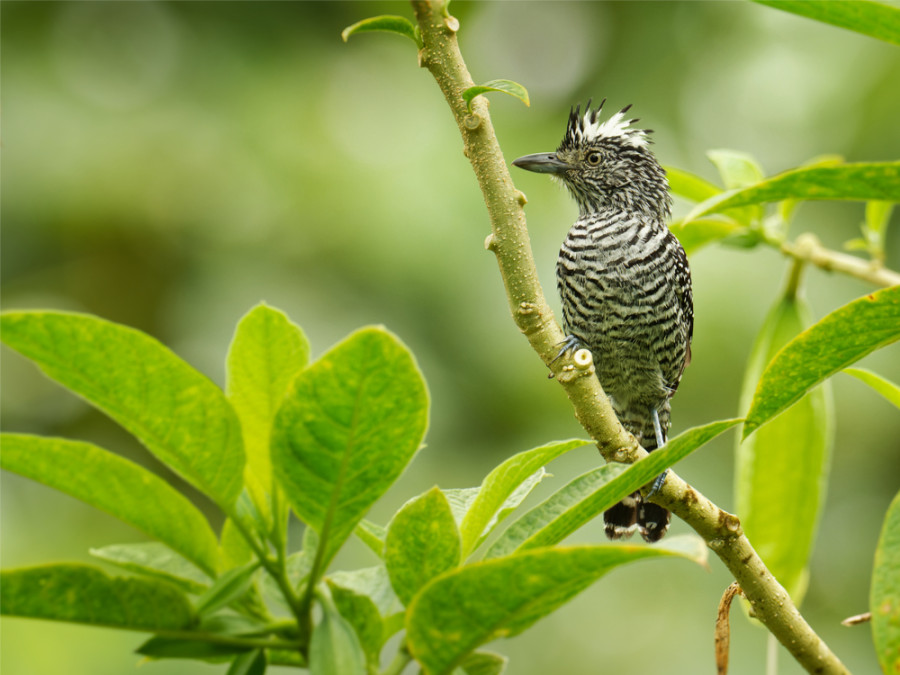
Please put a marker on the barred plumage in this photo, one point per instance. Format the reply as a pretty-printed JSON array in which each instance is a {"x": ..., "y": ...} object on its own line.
[{"x": 624, "y": 282}]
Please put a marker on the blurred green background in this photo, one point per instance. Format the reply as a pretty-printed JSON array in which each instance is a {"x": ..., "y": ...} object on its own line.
[{"x": 168, "y": 166}]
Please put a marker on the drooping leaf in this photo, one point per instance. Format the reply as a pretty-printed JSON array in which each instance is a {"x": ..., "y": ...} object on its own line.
[
  {"x": 884, "y": 598},
  {"x": 361, "y": 613},
  {"x": 177, "y": 413},
  {"x": 387, "y": 24},
  {"x": 837, "y": 341},
  {"x": 349, "y": 425},
  {"x": 587, "y": 496},
  {"x": 875, "y": 19},
  {"x": 86, "y": 594},
  {"x": 690, "y": 186},
  {"x": 695, "y": 234},
  {"x": 119, "y": 487},
  {"x": 861, "y": 182},
  {"x": 500, "y": 484},
  {"x": 266, "y": 353},
  {"x": 781, "y": 471},
  {"x": 374, "y": 583},
  {"x": 334, "y": 648},
  {"x": 227, "y": 588},
  {"x": 514, "y": 89},
  {"x": 463, "y": 609},
  {"x": 884, "y": 387},
  {"x": 372, "y": 535},
  {"x": 156, "y": 560},
  {"x": 164, "y": 647},
  {"x": 422, "y": 542}
]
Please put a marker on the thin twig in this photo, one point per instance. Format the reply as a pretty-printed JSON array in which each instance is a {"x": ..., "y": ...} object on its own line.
[
  {"x": 808, "y": 248},
  {"x": 509, "y": 241}
]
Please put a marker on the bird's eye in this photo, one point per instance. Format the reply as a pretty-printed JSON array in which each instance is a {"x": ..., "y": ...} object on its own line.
[{"x": 593, "y": 158}]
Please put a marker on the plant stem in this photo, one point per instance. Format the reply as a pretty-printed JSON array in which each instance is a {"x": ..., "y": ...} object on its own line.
[
  {"x": 808, "y": 248},
  {"x": 510, "y": 243}
]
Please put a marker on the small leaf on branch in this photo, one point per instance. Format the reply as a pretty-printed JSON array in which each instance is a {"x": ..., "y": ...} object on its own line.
[
  {"x": 506, "y": 86},
  {"x": 837, "y": 341},
  {"x": 884, "y": 597},
  {"x": 884, "y": 387},
  {"x": 386, "y": 24}
]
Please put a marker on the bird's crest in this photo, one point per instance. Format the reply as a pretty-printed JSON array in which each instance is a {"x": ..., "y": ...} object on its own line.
[{"x": 588, "y": 127}]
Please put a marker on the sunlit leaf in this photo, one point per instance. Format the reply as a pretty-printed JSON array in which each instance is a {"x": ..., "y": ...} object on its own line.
[
  {"x": 695, "y": 234},
  {"x": 514, "y": 89},
  {"x": 387, "y": 24},
  {"x": 177, "y": 413},
  {"x": 875, "y": 19},
  {"x": 690, "y": 186},
  {"x": 884, "y": 387},
  {"x": 477, "y": 603},
  {"x": 119, "y": 487},
  {"x": 884, "y": 598},
  {"x": 837, "y": 341},
  {"x": 227, "y": 588},
  {"x": 334, "y": 648},
  {"x": 360, "y": 612},
  {"x": 155, "y": 559}
]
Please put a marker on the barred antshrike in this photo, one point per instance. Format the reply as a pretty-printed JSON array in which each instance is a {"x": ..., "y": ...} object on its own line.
[{"x": 625, "y": 284}]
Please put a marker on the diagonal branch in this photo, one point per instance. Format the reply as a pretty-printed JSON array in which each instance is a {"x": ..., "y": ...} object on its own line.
[{"x": 510, "y": 243}]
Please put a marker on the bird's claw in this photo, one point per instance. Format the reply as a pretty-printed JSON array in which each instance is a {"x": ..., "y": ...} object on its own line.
[
  {"x": 658, "y": 483},
  {"x": 571, "y": 343}
]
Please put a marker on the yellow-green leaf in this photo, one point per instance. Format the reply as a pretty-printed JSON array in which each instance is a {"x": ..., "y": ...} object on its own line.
[{"x": 506, "y": 86}]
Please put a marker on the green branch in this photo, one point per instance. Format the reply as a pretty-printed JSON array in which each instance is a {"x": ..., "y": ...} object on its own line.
[
  {"x": 510, "y": 243},
  {"x": 809, "y": 249}
]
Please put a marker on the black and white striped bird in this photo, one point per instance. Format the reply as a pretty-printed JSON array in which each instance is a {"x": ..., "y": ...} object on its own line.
[{"x": 625, "y": 284}]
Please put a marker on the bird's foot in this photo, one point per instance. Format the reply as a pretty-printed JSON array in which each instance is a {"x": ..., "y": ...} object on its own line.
[
  {"x": 571, "y": 343},
  {"x": 660, "y": 442},
  {"x": 658, "y": 483}
]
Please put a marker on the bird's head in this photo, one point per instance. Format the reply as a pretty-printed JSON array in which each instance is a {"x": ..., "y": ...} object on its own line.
[{"x": 606, "y": 164}]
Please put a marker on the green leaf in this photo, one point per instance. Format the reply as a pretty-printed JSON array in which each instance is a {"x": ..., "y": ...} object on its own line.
[
  {"x": 737, "y": 169},
  {"x": 350, "y": 424},
  {"x": 249, "y": 663},
  {"x": 86, "y": 594},
  {"x": 589, "y": 495},
  {"x": 690, "y": 186},
  {"x": 422, "y": 542},
  {"x": 227, "y": 588},
  {"x": 860, "y": 182},
  {"x": 884, "y": 598},
  {"x": 266, "y": 353},
  {"x": 695, "y": 234},
  {"x": 235, "y": 549},
  {"x": 361, "y": 613},
  {"x": 119, "y": 487},
  {"x": 838, "y": 340},
  {"x": 472, "y": 605},
  {"x": 162, "y": 647},
  {"x": 334, "y": 648},
  {"x": 374, "y": 583},
  {"x": 482, "y": 515},
  {"x": 484, "y": 663},
  {"x": 177, "y": 413},
  {"x": 372, "y": 535},
  {"x": 156, "y": 560},
  {"x": 386, "y": 23},
  {"x": 506, "y": 86},
  {"x": 781, "y": 471},
  {"x": 884, "y": 387},
  {"x": 874, "y": 19}
]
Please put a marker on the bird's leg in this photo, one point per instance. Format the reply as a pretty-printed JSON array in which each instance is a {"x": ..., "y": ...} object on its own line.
[
  {"x": 569, "y": 344},
  {"x": 660, "y": 442}
]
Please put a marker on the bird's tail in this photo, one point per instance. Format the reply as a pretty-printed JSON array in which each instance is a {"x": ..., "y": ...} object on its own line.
[{"x": 633, "y": 512}]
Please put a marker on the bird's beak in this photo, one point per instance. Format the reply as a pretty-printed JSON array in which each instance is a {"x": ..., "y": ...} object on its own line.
[{"x": 542, "y": 162}]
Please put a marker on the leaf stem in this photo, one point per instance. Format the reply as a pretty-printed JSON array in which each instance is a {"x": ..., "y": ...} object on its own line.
[
  {"x": 510, "y": 243},
  {"x": 809, "y": 249}
]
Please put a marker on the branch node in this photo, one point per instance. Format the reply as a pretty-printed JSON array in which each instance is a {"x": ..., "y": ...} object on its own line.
[
  {"x": 451, "y": 23},
  {"x": 521, "y": 198},
  {"x": 472, "y": 121},
  {"x": 490, "y": 245}
]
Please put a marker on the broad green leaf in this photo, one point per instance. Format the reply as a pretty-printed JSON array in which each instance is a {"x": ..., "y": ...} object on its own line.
[
  {"x": 235, "y": 549},
  {"x": 781, "y": 471},
  {"x": 861, "y": 182},
  {"x": 119, "y": 487},
  {"x": 349, "y": 425},
  {"x": 387, "y": 24},
  {"x": 372, "y": 582},
  {"x": 86, "y": 594},
  {"x": 163, "y": 647},
  {"x": 737, "y": 169},
  {"x": 695, "y": 234},
  {"x": 249, "y": 663},
  {"x": 422, "y": 542},
  {"x": 463, "y": 609},
  {"x": 589, "y": 495},
  {"x": 884, "y": 387},
  {"x": 372, "y": 535},
  {"x": 884, "y": 598},
  {"x": 266, "y": 353},
  {"x": 297, "y": 566},
  {"x": 227, "y": 588},
  {"x": 460, "y": 500},
  {"x": 875, "y": 19},
  {"x": 156, "y": 560},
  {"x": 500, "y": 484},
  {"x": 838, "y": 340},
  {"x": 334, "y": 648},
  {"x": 484, "y": 663},
  {"x": 690, "y": 186},
  {"x": 177, "y": 413},
  {"x": 514, "y": 89},
  {"x": 361, "y": 613}
]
